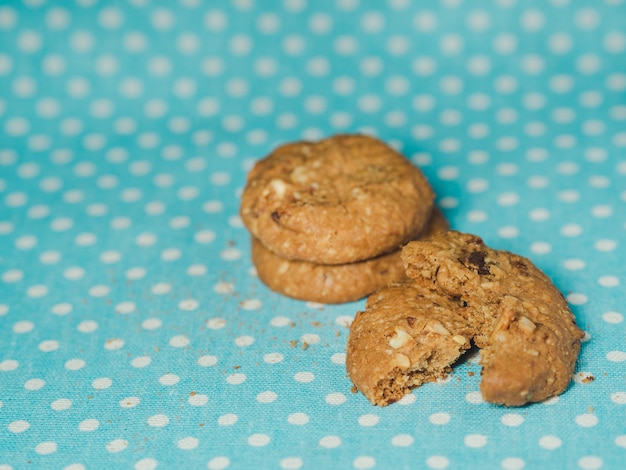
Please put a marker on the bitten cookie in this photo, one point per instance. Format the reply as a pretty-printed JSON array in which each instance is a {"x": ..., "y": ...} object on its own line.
[
  {"x": 344, "y": 199},
  {"x": 407, "y": 335},
  {"x": 333, "y": 283},
  {"x": 527, "y": 334}
]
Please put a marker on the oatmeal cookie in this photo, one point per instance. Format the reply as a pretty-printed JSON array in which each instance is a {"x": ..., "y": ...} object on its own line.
[
  {"x": 337, "y": 283},
  {"x": 341, "y": 200},
  {"x": 407, "y": 335},
  {"x": 527, "y": 334}
]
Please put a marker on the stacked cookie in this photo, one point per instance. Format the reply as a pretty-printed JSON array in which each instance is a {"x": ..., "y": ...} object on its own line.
[{"x": 328, "y": 219}]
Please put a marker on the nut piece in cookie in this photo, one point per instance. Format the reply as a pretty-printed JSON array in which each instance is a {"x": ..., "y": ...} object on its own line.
[
  {"x": 341, "y": 200},
  {"x": 408, "y": 335},
  {"x": 527, "y": 334}
]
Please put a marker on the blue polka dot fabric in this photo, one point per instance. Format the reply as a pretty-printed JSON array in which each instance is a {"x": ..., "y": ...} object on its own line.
[{"x": 135, "y": 333}]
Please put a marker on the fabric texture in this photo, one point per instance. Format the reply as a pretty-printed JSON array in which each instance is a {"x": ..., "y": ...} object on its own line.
[{"x": 135, "y": 333}]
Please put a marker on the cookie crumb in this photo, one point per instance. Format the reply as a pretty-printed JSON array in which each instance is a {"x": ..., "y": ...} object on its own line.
[
  {"x": 471, "y": 373},
  {"x": 588, "y": 379},
  {"x": 354, "y": 389},
  {"x": 293, "y": 343},
  {"x": 305, "y": 345}
]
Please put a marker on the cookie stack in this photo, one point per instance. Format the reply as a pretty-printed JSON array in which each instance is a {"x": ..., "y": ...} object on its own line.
[{"x": 328, "y": 219}]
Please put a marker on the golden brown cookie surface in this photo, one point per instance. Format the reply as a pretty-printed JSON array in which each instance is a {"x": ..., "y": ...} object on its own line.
[
  {"x": 344, "y": 199},
  {"x": 407, "y": 335},
  {"x": 527, "y": 334},
  {"x": 329, "y": 284},
  {"x": 336, "y": 283}
]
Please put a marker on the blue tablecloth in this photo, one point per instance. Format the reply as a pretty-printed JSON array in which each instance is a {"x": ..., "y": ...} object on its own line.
[{"x": 135, "y": 333}]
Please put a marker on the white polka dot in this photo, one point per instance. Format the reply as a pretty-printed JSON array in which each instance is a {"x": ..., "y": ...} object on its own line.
[
  {"x": 146, "y": 464},
  {"x": 608, "y": 281},
  {"x": 19, "y": 426},
  {"x": 99, "y": 290},
  {"x": 574, "y": 264},
  {"x": 577, "y": 298},
  {"x": 129, "y": 402},
  {"x": 198, "y": 399},
  {"x": 117, "y": 445},
  {"x": 34, "y": 384},
  {"x": 29, "y": 41},
  {"x": 336, "y": 398},
  {"x": 230, "y": 254},
  {"x": 227, "y": 419},
  {"x": 236, "y": 379},
  {"x": 621, "y": 441},
  {"x": 571, "y": 230},
  {"x": 280, "y": 321},
  {"x": 158, "y": 421},
  {"x": 179, "y": 341},
  {"x": 88, "y": 425},
  {"x": 512, "y": 419},
  {"x": 475, "y": 441},
  {"x": 477, "y": 216},
  {"x": 151, "y": 324},
  {"x": 586, "y": 420},
  {"x": 85, "y": 239},
  {"x": 187, "y": 443},
  {"x": 338, "y": 358},
  {"x": 273, "y": 358},
  {"x": 169, "y": 379},
  {"x": 550, "y": 442},
  {"x": 616, "y": 356},
  {"x": 48, "y": 345},
  {"x": 540, "y": 248},
  {"x": 114, "y": 344},
  {"x": 188, "y": 304},
  {"x": 364, "y": 462},
  {"x": 291, "y": 463},
  {"x": 12, "y": 275},
  {"x": 258, "y": 440},
  {"x": 474, "y": 398},
  {"x": 74, "y": 364},
  {"x": 244, "y": 341},
  {"x": 590, "y": 462},
  {"x": 102, "y": 383},
  {"x": 613, "y": 317},
  {"x": 266, "y": 397},
  {"x": 45, "y": 448},
  {"x": 37, "y": 291},
  {"x": 298, "y": 419},
  {"x": 602, "y": 211},
  {"x": 135, "y": 274},
  {"x": 87, "y": 326},
  {"x": 439, "y": 418},
  {"x": 8, "y": 365},
  {"x": 619, "y": 398},
  {"x": 437, "y": 462},
  {"x": 61, "y": 404},
  {"x": 330, "y": 442},
  {"x": 513, "y": 463},
  {"x": 141, "y": 361}
]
